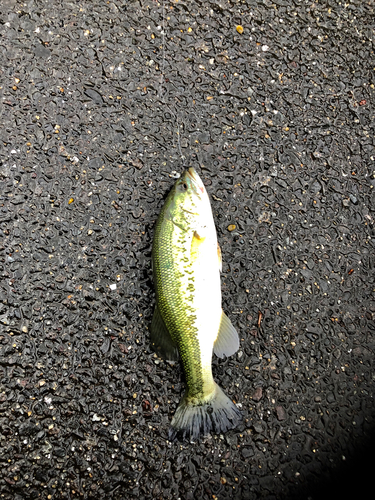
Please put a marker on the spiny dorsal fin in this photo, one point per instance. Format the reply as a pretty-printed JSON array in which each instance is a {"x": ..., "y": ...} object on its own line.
[
  {"x": 161, "y": 340},
  {"x": 227, "y": 341}
]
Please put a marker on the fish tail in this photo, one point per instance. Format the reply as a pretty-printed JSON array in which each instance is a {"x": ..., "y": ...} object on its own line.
[{"x": 215, "y": 415}]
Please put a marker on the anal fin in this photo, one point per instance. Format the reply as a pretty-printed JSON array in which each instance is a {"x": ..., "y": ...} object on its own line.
[
  {"x": 227, "y": 341},
  {"x": 161, "y": 340}
]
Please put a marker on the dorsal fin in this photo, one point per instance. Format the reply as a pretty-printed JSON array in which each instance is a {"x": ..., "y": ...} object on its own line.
[
  {"x": 161, "y": 340},
  {"x": 227, "y": 341}
]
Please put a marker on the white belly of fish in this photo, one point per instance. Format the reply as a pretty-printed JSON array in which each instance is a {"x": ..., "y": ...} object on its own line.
[{"x": 207, "y": 302}]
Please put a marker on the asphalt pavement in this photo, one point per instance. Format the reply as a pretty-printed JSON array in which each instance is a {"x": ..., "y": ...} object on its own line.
[{"x": 102, "y": 105}]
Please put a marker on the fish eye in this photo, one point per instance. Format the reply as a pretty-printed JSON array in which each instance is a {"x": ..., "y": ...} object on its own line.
[{"x": 184, "y": 186}]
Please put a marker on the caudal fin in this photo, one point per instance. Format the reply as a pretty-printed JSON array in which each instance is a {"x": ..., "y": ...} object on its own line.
[{"x": 217, "y": 415}]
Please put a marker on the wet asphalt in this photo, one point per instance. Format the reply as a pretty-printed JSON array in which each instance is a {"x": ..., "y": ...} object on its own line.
[{"x": 102, "y": 105}]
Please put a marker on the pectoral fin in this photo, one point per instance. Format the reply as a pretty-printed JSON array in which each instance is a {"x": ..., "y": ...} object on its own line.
[
  {"x": 199, "y": 234},
  {"x": 227, "y": 341},
  {"x": 161, "y": 340},
  {"x": 196, "y": 242}
]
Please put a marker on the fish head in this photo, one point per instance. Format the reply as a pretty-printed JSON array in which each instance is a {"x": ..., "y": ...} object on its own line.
[{"x": 189, "y": 205}]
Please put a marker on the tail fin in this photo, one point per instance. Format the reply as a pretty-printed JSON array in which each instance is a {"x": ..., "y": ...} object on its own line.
[{"x": 217, "y": 415}]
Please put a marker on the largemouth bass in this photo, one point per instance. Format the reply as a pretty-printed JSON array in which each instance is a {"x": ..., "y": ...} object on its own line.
[{"x": 188, "y": 321}]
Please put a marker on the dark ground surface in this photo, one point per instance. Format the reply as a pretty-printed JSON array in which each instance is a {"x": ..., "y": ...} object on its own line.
[{"x": 97, "y": 106}]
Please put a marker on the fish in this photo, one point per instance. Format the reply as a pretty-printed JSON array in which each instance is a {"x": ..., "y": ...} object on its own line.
[{"x": 188, "y": 322}]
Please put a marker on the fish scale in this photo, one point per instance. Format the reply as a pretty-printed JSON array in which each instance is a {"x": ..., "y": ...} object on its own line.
[
  {"x": 188, "y": 319},
  {"x": 176, "y": 309}
]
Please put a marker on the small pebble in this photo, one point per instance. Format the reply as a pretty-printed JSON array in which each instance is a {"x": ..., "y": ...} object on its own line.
[
  {"x": 280, "y": 412},
  {"x": 258, "y": 393}
]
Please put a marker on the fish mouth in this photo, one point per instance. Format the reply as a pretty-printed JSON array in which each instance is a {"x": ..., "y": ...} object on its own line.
[{"x": 191, "y": 172}]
